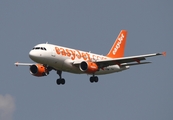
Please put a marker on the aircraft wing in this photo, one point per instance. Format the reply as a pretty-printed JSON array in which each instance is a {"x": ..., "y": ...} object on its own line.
[
  {"x": 125, "y": 61},
  {"x": 23, "y": 64}
]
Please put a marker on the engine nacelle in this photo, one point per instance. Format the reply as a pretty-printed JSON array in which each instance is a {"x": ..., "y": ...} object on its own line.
[
  {"x": 88, "y": 67},
  {"x": 38, "y": 70}
]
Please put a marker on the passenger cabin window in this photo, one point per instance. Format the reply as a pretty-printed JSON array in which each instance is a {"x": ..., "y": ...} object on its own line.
[{"x": 39, "y": 48}]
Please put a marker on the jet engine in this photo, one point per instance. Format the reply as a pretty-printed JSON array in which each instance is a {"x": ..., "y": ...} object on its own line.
[
  {"x": 88, "y": 67},
  {"x": 38, "y": 70}
]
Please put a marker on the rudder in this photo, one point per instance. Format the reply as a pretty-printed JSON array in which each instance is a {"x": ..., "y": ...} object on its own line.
[{"x": 118, "y": 48}]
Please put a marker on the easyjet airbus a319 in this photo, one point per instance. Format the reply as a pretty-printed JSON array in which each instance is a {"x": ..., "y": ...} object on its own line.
[{"x": 52, "y": 57}]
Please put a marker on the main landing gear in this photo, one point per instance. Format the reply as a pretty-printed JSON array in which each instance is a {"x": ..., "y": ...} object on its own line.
[
  {"x": 94, "y": 79},
  {"x": 60, "y": 80}
]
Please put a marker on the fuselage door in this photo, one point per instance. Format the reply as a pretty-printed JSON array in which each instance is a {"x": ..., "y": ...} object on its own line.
[{"x": 53, "y": 52}]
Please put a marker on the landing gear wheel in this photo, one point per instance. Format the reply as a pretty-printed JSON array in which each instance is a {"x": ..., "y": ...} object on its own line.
[
  {"x": 60, "y": 81},
  {"x": 91, "y": 79},
  {"x": 94, "y": 79},
  {"x": 63, "y": 81}
]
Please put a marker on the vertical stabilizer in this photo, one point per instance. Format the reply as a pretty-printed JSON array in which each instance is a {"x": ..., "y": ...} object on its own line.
[{"x": 118, "y": 48}]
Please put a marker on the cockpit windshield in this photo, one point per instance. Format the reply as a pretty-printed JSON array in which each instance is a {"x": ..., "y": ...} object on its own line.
[{"x": 39, "y": 48}]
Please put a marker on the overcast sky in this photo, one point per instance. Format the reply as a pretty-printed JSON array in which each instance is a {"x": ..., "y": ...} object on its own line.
[{"x": 143, "y": 92}]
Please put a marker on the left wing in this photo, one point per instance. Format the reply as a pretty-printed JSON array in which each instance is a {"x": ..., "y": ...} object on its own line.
[{"x": 125, "y": 61}]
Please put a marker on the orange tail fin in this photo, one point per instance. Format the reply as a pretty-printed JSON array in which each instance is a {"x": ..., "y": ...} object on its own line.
[{"x": 118, "y": 47}]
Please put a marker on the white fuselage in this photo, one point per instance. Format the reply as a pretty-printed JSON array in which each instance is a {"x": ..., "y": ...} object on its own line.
[{"x": 62, "y": 58}]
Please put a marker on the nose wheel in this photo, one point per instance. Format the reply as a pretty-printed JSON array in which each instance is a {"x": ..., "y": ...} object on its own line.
[{"x": 60, "y": 80}]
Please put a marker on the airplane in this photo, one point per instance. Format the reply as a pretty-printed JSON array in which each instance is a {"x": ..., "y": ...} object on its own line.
[{"x": 63, "y": 59}]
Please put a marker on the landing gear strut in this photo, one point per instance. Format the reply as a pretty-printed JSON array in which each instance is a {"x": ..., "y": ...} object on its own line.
[
  {"x": 94, "y": 79},
  {"x": 60, "y": 80}
]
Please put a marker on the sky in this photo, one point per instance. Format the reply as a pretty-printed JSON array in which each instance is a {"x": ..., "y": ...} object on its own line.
[{"x": 143, "y": 92}]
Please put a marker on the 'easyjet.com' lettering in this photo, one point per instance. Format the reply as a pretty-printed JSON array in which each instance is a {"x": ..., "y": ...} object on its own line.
[
  {"x": 76, "y": 54},
  {"x": 72, "y": 53}
]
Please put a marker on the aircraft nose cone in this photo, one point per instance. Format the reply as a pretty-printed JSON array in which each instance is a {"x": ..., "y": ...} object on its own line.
[
  {"x": 31, "y": 54},
  {"x": 35, "y": 55}
]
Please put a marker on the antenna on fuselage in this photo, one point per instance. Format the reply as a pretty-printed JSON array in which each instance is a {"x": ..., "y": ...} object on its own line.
[{"x": 46, "y": 42}]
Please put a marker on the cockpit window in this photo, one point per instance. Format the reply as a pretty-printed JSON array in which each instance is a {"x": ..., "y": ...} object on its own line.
[{"x": 39, "y": 48}]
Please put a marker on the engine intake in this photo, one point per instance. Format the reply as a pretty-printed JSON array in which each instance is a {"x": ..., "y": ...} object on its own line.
[
  {"x": 88, "y": 67},
  {"x": 38, "y": 70}
]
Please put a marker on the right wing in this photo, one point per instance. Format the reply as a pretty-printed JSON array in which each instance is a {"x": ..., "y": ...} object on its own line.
[{"x": 23, "y": 64}]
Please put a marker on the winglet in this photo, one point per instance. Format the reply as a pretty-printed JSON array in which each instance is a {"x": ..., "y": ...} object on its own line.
[
  {"x": 118, "y": 48},
  {"x": 16, "y": 63},
  {"x": 164, "y": 53}
]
